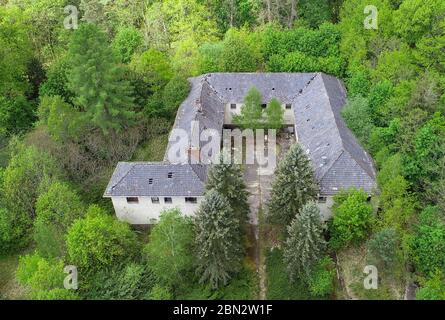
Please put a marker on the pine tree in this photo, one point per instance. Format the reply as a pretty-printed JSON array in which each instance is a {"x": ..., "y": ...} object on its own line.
[
  {"x": 219, "y": 249},
  {"x": 305, "y": 244},
  {"x": 251, "y": 111},
  {"x": 294, "y": 185},
  {"x": 227, "y": 179},
  {"x": 274, "y": 113},
  {"x": 97, "y": 81}
]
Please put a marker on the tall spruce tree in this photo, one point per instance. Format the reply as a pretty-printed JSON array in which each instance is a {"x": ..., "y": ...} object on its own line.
[
  {"x": 97, "y": 81},
  {"x": 294, "y": 185},
  {"x": 227, "y": 179},
  {"x": 251, "y": 116},
  {"x": 305, "y": 244},
  {"x": 219, "y": 249}
]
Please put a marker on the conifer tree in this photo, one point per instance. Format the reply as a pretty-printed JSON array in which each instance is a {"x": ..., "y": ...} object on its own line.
[
  {"x": 274, "y": 114},
  {"x": 219, "y": 249},
  {"x": 97, "y": 81},
  {"x": 305, "y": 244},
  {"x": 251, "y": 111},
  {"x": 227, "y": 179},
  {"x": 294, "y": 185}
]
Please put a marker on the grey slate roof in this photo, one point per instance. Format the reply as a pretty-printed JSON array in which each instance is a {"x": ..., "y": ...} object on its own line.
[
  {"x": 338, "y": 159},
  {"x": 133, "y": 179}
]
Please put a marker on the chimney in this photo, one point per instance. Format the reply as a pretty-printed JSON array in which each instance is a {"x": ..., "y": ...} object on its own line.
[{"x": 194, "y": 155}]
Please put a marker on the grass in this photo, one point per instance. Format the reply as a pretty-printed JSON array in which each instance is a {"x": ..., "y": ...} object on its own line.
[
  {"x": 278, "y": 285},
  {"x": 9, "y": 288},
  {"x": 351, "y": 262}
]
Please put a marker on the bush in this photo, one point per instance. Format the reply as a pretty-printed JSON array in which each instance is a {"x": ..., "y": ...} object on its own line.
[
  {"x": 160, "y": 293},
  {"x": 433, "y": 288},
  {"x": 352, "y": 218},
  {"x": 321, "y": 283},
  {"x": 99, "y": 241}
]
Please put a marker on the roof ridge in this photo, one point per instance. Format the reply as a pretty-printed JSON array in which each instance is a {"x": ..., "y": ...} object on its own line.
[
  {"x": 333, "y": 162},
  {"x": 305, "y": 86}
]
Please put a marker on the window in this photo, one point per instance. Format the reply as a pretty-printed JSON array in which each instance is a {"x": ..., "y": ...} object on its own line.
[
  {"x": 150, "y": 181},
  {"x": 191, "y": 200},
  {"x": 369, "y": 199},
  {"x": 288, "y": 106},
  {"x": 154, "y": 200},
  {"x": 264, "y": 105},
  {"x": 170, "y": 175},
  {"x": 168, "y": 200},
  {"x": 132, "y": 200},
  {"x": 233, "y": 106},
  {"x": 322, "y": 199}
]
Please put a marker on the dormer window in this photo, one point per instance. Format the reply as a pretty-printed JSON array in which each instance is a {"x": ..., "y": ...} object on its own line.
[
  {"x": 288, "y": 106},
  {"x": 170, "y": 175},
  {"x": 264, "y": 105},
  {"x": 150, "y": 181},
  {"x": 233, "y": 106}
]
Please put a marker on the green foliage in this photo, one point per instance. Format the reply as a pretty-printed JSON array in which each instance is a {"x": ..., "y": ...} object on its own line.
[
  {"x": 171, "y": 241},
  {"x": 21, "y": 182},
  {"x": 314, "y": 12},
  {"x": 294, "y": 185},
  {"x": 305, "y": 244},
  {"x": 236, "y": 55},
  {"x": 427, "y": 245},
  {"x": 153, "y": 67},
  {"x": 321, "y": 282},
  {"x": 251, "y": 115},
  {"x": 99, "y": 240},
  {"x": 218, "y": 243},
  {"x": 382, "y": 247},
  {"x": 359, "y": 118},
  {"x": 227, "y": 179},
  {"x": 44, "y": 277},
  {"x": 274, "y": 115},
  {"x": 126, "y": 42},
  {"x": 16, "y": 114},
  {"x": 124, "y": 282},
  {"x": 159, "y": 292},
  {"x": 352, "y": 218},
  {"x": 103, "y": 97},
  {"x": 433, "y": 288},
  {"x": 56, "y": 83},
  {"x": 175, "y": 91},
  {"x": 278, "y": 285}
]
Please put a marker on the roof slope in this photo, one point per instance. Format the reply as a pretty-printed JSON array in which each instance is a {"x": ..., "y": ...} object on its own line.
[
  {"x": 325, "y": 137},
  {"x": 151, "y": 179}
]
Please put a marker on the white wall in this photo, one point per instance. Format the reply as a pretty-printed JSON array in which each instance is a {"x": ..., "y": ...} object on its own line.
[
  {"x": 146, "y": 212},
  {"x": 325, "y": 208}
]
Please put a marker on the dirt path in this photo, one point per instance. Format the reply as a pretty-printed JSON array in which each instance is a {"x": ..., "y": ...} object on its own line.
[{"x": 259, "y": 186}]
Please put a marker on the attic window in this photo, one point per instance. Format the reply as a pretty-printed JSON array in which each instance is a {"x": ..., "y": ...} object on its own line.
[
  {"x": 307, "y": 120},
  {"x": 230, "y": 89},
  {"x": 273, "y": 89},
  {"x": 170, "y": 175},
  {"x": 132, "y": 200},
  {"x": 264, "y": 105},
  {"x": 233, "y": 106},
  {"x": 150, "y": 181},
  {"x": 288, "y": 106}
]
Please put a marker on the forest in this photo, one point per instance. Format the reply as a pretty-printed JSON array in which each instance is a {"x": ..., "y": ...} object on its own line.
[{"x": 87, "y": 83}]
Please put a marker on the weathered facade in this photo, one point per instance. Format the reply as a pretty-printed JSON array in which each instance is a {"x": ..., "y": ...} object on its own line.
[{"x": 312, "y": 104}]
